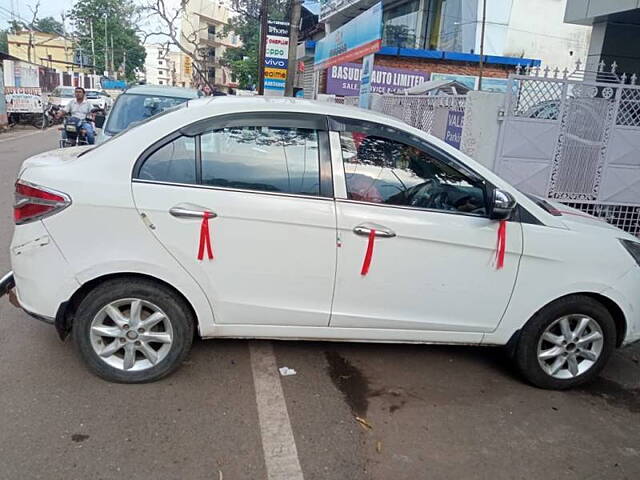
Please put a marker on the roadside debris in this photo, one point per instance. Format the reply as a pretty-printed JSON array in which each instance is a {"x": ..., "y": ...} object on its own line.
[
  {"x": 364, "y": 423},
  {"x": 379, "y": 446},
  {"x": 286, "y": 371}
]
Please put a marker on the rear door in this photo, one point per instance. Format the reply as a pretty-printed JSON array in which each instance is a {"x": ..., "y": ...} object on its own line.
[{"x": 266, "y": 182}]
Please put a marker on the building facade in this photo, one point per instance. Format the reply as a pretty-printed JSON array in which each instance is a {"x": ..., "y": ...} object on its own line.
[
  {"x": 46, "y": 49},
  {"x": 203, "y": 33},
  {"x": 157, "y": 65},
  {"x": 616, "y": 30}
]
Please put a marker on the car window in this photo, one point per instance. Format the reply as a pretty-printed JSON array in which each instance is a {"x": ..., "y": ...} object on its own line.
[
  {"x": 175, "y": 162},
  {"x": 130, "y": 108},
  {"x": 268, "y": 159},
  {"x": 386, "y": 171}
]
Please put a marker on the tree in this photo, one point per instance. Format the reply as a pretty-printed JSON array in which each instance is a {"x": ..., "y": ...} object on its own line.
[
  {"x": 167, "y": 30},
  {"x": 120, "y": 18},
  {"x": 48, "y": 25},
  {"x": 243, "y": 61}
]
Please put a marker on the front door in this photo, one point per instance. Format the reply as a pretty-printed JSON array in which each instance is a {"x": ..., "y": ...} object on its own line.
[
  {"x": 432, "y": 264},
  {"x": 272, "y": 225}
]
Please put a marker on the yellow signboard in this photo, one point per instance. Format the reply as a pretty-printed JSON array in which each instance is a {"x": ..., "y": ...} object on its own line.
[
  {"x": 279, "y": 73},
  {"x": 187, "y": 65}
]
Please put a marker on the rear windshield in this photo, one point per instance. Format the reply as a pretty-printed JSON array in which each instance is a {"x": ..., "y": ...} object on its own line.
[
  {"x": 63, "y": 92},
  {"x": 132, "y": 108}
]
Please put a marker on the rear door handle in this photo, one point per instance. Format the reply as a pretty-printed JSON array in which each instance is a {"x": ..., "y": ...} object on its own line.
[
  {"x": 190, "y": 210},
  {"x": 365, "y": 229}
]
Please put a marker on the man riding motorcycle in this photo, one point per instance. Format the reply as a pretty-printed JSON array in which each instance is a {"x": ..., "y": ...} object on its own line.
[{"x": 80, "y": 108}]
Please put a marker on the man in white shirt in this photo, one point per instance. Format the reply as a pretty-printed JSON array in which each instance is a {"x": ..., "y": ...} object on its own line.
[{"x": 80, "y": 108}]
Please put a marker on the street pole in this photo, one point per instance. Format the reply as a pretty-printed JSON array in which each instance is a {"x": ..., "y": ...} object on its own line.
[
  {"x": 484, "y": 21},
  {"x": 106, "y": 48},
  {"x": 296, "y": 7},
  {"x": 263, "y": 45},
  {"x": 93, "y": 47},
  {"x": 113, "y": 68}
]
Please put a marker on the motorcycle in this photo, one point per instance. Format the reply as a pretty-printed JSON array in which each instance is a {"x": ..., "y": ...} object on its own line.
[
  {"x": 73, "y": 133},
  {"x": 51, "y": 114}
]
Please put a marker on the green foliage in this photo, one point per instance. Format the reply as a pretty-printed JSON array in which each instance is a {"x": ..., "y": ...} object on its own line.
[
  {"x": 48, "y": 25},
  {"x": 243, "y": 61},
  {"x": 120, "y": 16}
]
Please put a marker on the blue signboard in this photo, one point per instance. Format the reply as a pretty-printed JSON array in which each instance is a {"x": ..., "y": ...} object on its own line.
[
  {"x": 355, "y": 39},
  {"x": 365, "y": 82},
  {"x": 453, "y": 134}
]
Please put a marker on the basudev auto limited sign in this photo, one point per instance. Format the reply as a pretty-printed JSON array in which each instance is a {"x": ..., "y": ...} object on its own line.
[
  {"x": 344, "y": 79},
  {"x": 358, "y": 38}
]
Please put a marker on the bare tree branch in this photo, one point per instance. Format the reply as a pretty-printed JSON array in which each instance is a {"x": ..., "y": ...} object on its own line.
[{"x": 169, "y": 24}]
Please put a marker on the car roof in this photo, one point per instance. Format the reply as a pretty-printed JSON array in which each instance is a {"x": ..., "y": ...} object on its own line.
[
  {"x": 162, "y": 91},
  {"x": 232, "y": 104}
]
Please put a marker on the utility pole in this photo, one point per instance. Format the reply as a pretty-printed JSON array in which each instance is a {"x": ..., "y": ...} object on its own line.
[
  {"x": 484, "y": 21},
  {"x": 124, "y": 63},
  {"x": 113, "y": 68},
  {"x": 93, "y": 47},
  {"x": 64, "y": 32},
  {"x": 264, "y": 8},
  {"x": 106, "y": 48},
  {"x": 296, "y": 7}
]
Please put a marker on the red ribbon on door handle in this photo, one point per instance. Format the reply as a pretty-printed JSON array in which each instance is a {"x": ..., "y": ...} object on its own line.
[
  {"x": 502, "y": 243},
  {"x": 367, "y": 256},
  {"x": 205, "y": 237}
]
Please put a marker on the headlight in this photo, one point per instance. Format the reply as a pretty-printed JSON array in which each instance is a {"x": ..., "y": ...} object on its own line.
[{"x": 633, "y": 248}]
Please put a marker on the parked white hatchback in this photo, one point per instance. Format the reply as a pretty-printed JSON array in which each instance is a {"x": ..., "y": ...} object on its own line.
[{"x": 275, "y": 218}]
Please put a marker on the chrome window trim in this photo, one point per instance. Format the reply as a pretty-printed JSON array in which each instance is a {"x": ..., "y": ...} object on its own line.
[
  {"x": 416, "y": 209},
  {"x": 226, "y": 189}
]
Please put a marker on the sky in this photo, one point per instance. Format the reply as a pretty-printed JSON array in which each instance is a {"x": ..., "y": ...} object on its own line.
[{"x": 48, "y": 8}]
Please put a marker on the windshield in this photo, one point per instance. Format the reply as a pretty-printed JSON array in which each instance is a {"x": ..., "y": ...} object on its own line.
[
  {"x": 136, "y": 108},
  {"x": 64, "y": 93},
  {"x": 93, "y": 94}
]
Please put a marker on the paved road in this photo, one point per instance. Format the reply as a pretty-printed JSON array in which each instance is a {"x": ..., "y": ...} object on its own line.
[{"x": 435, "y": 412}]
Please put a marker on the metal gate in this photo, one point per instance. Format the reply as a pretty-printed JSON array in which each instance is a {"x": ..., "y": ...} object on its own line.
[{"x": 576, "y": 139}]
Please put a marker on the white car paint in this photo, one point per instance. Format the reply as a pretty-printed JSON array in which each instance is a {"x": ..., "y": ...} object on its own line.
[{"x": 277, "y": 255}]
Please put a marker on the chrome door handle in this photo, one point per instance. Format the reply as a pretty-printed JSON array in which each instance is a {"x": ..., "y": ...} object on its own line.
[
  {"x": 189, "y": 210},
  {"x": 365, "y": 228}
]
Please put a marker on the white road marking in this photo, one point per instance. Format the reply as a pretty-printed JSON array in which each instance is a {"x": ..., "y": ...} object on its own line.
[
  {"x": 18, "y": 137},
  {"x": 278, "y": 443}
]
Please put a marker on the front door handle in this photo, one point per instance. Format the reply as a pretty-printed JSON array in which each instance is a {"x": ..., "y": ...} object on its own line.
[
  {"x": 365, "y": 229},
  {"x": 190, "y": 210}
]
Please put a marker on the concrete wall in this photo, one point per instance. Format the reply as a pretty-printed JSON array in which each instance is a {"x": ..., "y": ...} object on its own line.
[{"x": 482, "y": 126}]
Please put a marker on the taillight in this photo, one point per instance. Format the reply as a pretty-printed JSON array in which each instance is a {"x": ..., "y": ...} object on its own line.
[{"x": 33, "y": 202}]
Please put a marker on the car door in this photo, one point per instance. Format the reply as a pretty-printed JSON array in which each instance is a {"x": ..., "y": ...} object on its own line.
[
  {"x": 265, "y": 181},
  {"x": 432, "y": 260}
]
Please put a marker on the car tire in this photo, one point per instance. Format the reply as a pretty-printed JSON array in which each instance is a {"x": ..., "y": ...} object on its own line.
[
  {"x": 543, "y": 336},
  {"x": 135, "y": 304}
]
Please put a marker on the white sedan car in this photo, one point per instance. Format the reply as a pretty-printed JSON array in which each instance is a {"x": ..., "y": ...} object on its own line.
[{"x": 275, "y": 218}]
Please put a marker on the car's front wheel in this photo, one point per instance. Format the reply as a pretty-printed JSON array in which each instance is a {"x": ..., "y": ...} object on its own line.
[
  {"x": 567, "y": 343},
  {"x": 133, "y": 330}
]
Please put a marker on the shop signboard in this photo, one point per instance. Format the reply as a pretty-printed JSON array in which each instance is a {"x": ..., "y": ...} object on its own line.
[
  {"x": 276, "y": 58},
  {"x": 354, "y": 40},
  {"x": 344, "y": 79}
]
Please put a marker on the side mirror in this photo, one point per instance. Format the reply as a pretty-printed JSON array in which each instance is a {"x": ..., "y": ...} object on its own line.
[
  {"x": 502, "y": 204},
  {"x": 99, "y": 120}
]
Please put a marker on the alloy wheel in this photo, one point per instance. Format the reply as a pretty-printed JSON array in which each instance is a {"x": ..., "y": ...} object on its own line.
[
  {"x": 131, "y": 334},
  {"x": 570, "y": 346}
]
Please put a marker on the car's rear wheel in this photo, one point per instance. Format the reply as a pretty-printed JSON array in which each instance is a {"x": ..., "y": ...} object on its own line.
[
  {"x": 567, "y": 343},
  {"x": 133, "y": 330}
]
